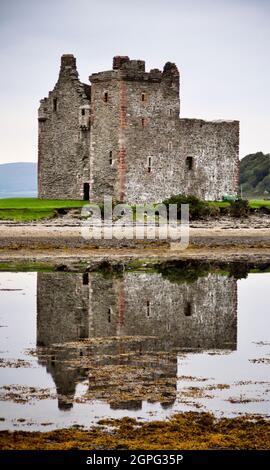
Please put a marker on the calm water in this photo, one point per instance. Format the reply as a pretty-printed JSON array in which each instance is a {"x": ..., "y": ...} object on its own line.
[{"x": 76, "y": 348}]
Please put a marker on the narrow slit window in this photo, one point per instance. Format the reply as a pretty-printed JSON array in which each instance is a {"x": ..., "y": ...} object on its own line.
[
  {"x": 149, "y": 167},
  {"x": 85, "y": 279},
  {"x": 189, "y": 163},
  {"x": 143, "y": 122},
  {"x": 110, "y": 158},
  {"x": 188, "y": 309},
  {"x": 109, "y": 315},
  {"x": 170, "y": 146},
  {"x": 55, "y": 104},
  {"x": 83, "y": 112},
  {"x": 148, "y": 309},
  {"x": 143, "y": 96},
  {"x": 106, "y": 97},
  {"x": 170, "y": 112}
]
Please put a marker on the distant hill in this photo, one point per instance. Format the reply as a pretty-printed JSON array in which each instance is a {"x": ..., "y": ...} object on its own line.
[
  {"x": 18, "y": 179},
  {"x": 255, "y": 175}
]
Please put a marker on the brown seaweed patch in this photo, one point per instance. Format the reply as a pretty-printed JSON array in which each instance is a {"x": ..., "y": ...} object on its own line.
[
  {"x": 243, "y": 400},
  {"x": 261, "y": 360},
  {"x": 192, "y": 378},
  {"x": 22, "y": 394},
  {"x": 190, "y": 430},
  {"x": 14, "y": 363}
]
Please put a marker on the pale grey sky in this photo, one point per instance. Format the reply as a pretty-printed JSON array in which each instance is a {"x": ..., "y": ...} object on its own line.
[{"x": 220, "y": 46}]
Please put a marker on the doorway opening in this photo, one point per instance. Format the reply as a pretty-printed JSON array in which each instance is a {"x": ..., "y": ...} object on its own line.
[{"x": 86, "y": 191}]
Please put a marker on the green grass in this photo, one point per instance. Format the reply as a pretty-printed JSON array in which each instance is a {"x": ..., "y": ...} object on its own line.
[
  {"x": 25, "y": 215},
  {"x": 253, "y": 203},
  {"x": 31, "y": 209},
  {"x": 219, "y": 203},
  {"x": 257, "y": 203},
  {"x": 41, "y": 204},
  {"x": 28, "y": 209},
  {"x": 25, "y": 266}
]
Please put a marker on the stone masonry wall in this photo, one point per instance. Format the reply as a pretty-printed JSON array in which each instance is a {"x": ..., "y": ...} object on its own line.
[
  {"x": 104, "y": 150},
  {"x": 64, "y": 136},
  {"x": 150, "y": 313},
  {"x": 214, "y": 148},
  {"x": 202, "y": 314},
  {"x": 138, "y": 150},
  {"x": 62, "y": 308}
]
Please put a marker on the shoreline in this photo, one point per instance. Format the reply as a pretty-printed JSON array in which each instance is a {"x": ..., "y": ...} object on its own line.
[
  {"x": 189, "y": 431},
  {"x": 69, "y": 236}
]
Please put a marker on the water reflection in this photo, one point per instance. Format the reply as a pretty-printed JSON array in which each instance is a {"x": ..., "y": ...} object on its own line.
[{"x": 123, "y": 334}]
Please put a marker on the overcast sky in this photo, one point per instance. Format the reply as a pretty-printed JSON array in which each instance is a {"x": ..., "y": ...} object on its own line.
[{"x": 222, "y": 48}]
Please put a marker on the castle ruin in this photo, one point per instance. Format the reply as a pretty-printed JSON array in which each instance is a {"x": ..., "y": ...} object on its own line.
[
  {"x": 123, "y": 137},
  {"x": 128, "y": 319}
]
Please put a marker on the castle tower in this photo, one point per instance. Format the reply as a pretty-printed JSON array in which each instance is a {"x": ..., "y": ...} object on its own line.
[
  {"x": 133, "y": 120},
  {"x": 64, "y": 137}
]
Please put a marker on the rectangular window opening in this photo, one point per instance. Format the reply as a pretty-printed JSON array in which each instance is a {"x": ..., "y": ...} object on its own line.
[
  {"x": 189, "y": 163},
  {"x": 106, "y": 97},
  {"x": 55, "y": 104},
  {"x": 188, "y": 309},
  {"x": 143, "y": 96},
  {"x": 83, "y": 112},
  {"x": 143, "y": 122},
  {"x": 148, "y": 310},
  {"x": 85, "y": 279},
  {"x": 110, "y": 158}
]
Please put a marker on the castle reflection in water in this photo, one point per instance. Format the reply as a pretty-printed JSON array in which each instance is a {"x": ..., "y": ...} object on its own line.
[{"x": 144, "y": 319}]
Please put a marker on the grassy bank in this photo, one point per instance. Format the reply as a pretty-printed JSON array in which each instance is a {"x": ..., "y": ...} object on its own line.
[
  {"x": 31, "y": 209},
  {"x": 28, "y": 209},
  {"x": 182, "y": 431},
  {"x": 253, "y": 203}
]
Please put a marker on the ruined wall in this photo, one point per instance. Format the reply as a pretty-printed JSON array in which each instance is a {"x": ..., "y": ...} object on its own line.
[
  {"x": 202, "y": 314},
  {"x": 62, "y": 316},
  {"x": 140, "y": 123},
  {"x": 154, "y": 316},
  {"x": 104, "y": 146},
  {"x": 64, "y": 136},
  {"x": 150, "y": 133},
  {"x": 214, "y": 149},
  {"x": 62, "y": 308},
  {"x": 130, "y": 124},
  {"x": 138, "y": 150}
]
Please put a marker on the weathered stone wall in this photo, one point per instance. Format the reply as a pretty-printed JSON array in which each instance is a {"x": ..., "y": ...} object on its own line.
[
  {"x": 155, "y": 318},
  {"x": 64, "y": 136},
  {"x": 150, "y": 144},
  {"x": 202, "y": 314},
  {"x": 214, "y": 149},
  {"x": 139, "y": 150},
  {"x": 62, "y": 308},
  {"x": 104, "y": 144}
]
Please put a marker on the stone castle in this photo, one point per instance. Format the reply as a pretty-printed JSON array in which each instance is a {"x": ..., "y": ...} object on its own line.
[
  {"x": 142, "y": 316},
  {"x": 123, "y": 137}
]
